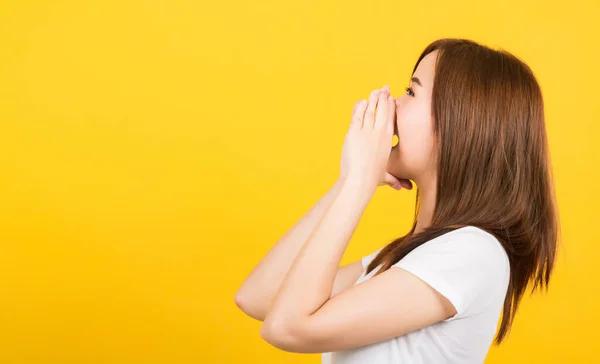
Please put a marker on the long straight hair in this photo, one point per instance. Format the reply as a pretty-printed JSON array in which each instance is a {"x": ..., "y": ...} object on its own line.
[{"x": 493, "y": 165}]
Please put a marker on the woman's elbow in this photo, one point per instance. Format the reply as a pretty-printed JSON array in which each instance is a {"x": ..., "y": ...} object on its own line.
[
  {"x": 284, "y": 338},
  {"x": 249, "y": 307}
]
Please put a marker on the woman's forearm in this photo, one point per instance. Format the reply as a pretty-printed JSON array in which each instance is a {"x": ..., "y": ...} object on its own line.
[
  {"x": 259, "y": 289},
  {"x": 308, "y": 284}
]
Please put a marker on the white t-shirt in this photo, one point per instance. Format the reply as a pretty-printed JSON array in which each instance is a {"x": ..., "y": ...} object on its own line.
[{"x": 469, "y": 267}]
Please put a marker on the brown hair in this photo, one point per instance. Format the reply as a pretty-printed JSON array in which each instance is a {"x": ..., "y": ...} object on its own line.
[{"x": 493, "y": 166}]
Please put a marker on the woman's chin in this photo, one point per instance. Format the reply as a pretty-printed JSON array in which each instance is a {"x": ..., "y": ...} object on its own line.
[
  {"x": 395, "y": 173},
  {"x": 392, "y": 168}
]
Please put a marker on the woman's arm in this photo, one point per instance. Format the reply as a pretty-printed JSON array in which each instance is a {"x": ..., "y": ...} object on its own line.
[
  {"x": 258, "y": 291},
  {"x": 303, "y": 318}
]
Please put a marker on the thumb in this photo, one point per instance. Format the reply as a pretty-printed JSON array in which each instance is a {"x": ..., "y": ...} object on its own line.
[{"x": 392, "y": 181}]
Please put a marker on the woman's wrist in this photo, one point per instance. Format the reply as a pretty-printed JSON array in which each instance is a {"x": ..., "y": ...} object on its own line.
[{"x": 360, "y": 185}]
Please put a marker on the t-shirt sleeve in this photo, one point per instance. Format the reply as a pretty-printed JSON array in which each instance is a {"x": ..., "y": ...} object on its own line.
[{"x": 469, "y": 267}]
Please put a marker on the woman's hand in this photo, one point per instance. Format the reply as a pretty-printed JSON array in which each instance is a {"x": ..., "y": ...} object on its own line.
[{"x": 368, "y": 143}]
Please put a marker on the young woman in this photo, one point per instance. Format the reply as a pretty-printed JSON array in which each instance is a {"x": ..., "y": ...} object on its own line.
[{"x": 472, "y": 138}]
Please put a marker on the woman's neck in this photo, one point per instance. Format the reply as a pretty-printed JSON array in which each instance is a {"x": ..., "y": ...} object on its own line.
[{"x": 427, "y": 189}]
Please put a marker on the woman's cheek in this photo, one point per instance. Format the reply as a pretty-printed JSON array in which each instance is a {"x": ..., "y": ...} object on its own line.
[
  {"x": 406, "y": 136},
  {"x": 400, "y": 128}
]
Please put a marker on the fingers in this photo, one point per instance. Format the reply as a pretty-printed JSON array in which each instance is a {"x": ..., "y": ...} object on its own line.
[
  {"x": 382, "y": 111},
  {"x": 392, "y": 181},
  {"x": 358, "y": 114},
  {"x": 354, "y": 108},
  {"x": 406, "y": 184},
  {"x": 391, "y": 114},
  {"x": 391, "y": 106},
  {"x": 377, "y": 110},
  {"x": 396, "y": 183},
  {"x": 353, "y": 114},
  {"x": 369, "y": 118}
]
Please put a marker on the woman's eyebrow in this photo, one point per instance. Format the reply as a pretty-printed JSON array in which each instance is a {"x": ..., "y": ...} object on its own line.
[{"x": 417, "y": 81}]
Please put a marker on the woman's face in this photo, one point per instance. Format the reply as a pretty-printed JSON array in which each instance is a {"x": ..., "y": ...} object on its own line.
[{"x": 412, "y": 158}]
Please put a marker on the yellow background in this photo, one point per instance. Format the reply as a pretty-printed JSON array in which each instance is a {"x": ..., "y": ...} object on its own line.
[{"x": 151, "y": 152}]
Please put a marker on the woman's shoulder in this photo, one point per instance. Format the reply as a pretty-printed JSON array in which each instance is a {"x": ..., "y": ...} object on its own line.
[
  {"x": 468, "y": 243},
  {"x": 475, "y": 235},
  {"x": 471, "y": 230}
]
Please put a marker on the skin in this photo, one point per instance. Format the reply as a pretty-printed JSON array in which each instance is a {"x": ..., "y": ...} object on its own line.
[
  {"x": 305, "y": 316},
  {"x": 413, "y": 158}
]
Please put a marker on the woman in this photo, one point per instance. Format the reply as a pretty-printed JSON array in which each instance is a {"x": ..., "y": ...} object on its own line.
[{"x": 472, "y": 137}]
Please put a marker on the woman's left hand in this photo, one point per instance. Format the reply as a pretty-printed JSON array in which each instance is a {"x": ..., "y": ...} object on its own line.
[{"x": 368, "y": 144}]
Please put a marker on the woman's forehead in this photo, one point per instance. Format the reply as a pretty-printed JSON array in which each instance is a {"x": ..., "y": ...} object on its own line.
[{"x": 425, "y": 71}]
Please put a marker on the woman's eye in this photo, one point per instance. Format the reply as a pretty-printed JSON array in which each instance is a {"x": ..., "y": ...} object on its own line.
[{"x": 409, "y": 91}]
